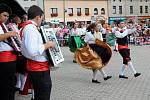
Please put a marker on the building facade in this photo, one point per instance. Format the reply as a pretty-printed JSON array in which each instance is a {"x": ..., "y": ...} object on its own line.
[
  {"x": 138, "y": 10},
  {"x": 75, "y": 10},
  {"x": 27, "y": 3}
]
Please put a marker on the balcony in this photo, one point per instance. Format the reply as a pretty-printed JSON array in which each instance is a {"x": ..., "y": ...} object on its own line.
[
  {"x": 79, "y": 14},
  {"x": 54, "y": 14},
  {"x": 71, "y": 14},
  {"x": 87, "y": 14}
]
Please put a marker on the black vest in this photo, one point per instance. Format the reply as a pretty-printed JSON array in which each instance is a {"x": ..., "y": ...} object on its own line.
[{"x": 122, "y": 41}]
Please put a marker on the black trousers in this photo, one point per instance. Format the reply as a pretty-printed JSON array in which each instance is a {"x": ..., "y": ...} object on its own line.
[
  {"x": 7, "y": 80},
  {"x": 125, "y": 53},
  {"x": 41, "y": 82}
]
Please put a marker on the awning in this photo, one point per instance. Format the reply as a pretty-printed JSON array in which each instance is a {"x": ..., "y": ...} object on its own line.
[{"x": 15, "y": 7}]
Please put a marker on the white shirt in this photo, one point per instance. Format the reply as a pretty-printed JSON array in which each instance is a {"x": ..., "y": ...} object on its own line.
[
  {"x": 32, "y": 43},
  {"x": 4, "y": 46},
  {"x": 83, "y": 31},
  {"x": 90, "y": 38},
  {"x": 125, "y": 33},
  {"x": 75, "y": 32}
]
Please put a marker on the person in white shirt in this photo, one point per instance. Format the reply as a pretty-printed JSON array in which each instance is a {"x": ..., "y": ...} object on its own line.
[
  {"x": 34, "y": 49},
  {"x": 90, "y": 37},
  {"x": 7, "y": 57},
  {"x": 121, "y": 33}
]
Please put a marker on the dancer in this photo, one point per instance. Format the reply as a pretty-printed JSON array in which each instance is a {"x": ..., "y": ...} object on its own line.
[
  {"x": 122, "y": 39},
  {"x": 90, "y": 38}
]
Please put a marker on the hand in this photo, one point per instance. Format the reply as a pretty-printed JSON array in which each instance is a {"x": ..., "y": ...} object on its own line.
[
  {"x": 12, "y": 34},
  {"x": 50, "y": 44}
]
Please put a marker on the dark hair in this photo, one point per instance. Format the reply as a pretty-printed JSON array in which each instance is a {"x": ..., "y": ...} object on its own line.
[
  {"x": 34, "y": 11},
  {"x": 5, "y": 8},
  {"x": 91, "y": 27},
  {"x": 118, "y": 22}
]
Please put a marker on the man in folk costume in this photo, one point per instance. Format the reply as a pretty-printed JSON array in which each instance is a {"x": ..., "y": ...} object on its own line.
[
  {"x": 34, "y": 49},
  {"x": 7, "y": 57},
  {"x": 121, "y": 34}
]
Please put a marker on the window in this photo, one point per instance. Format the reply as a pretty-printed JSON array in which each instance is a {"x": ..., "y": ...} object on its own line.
[
  {"x": 86, "y": 11},
  {"x": 114, "y": 9},
  {"x": 145, "y": 0},
  {"x": 103, "y": 11},
  {"x": 54, "y": 12},
  {"x": 79, "y": 11},
  {"x": 113, "y": 0},
  {"x": 140, "y": 0},
  {"x": 131, "y": 9},
  {"x": 120, "y": 0},
  {"x": 25, "y": 0},
  {"x": 70, "y": 11},
  {"x": 95, "y": 11},
  {"x": 146, "y": 9},
  {"x": 141, "y": 9},
  {"x": 120, "y": 9},
  {"x": 130, "y": 0}
]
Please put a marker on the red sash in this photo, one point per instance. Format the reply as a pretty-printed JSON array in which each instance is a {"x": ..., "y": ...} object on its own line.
[
  {"x": 37, "y": 66},
  {"x": 123, "y": 47},
  {"x": 7, "y": 56}
]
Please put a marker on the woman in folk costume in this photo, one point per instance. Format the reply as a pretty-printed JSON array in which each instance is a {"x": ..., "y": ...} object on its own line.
[
  {"x": 34, "y": 50},
  {"x": 122, "y": 33},
  {"x": 74, "y": 40},
  {"x": 7, "y": 57},
  {"x": 90, "y": 38}
]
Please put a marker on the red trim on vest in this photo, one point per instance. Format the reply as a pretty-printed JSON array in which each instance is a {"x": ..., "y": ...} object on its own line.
[
  {"x": 7, "y": 56},
  {"x": 37, "y": 65},
  {"x": 123, "y": 47}
]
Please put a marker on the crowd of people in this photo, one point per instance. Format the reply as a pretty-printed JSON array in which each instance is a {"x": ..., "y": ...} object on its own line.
[{"x": 139, "y": 37}]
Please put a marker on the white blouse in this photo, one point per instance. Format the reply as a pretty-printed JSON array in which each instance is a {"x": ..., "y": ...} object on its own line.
[{"x": 90, "y": 38}]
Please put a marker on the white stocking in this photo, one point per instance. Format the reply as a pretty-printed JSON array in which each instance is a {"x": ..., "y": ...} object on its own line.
[
  {"x": 123, "y": 69},
  {"x": 103, "y": 73},
  {"x": 131, "y": 67},
  {"x": 94, "y": 74}
]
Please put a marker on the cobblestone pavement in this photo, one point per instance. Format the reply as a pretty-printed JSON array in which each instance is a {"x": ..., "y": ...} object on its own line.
[{"x": 72, "y": 82}]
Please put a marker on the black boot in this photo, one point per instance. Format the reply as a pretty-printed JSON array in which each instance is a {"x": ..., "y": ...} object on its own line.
[
  {"x": 106, "y": 78},
  {"x": 95, "y": 81},
  {"x": 122, "y": 76},
  {"x": 137, "y": 74}
]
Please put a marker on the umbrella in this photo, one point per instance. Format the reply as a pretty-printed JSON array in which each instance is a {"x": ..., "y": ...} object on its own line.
[{"x": 15, "y": 7}]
